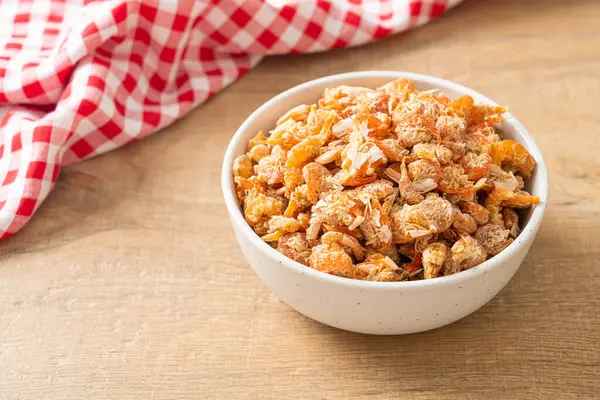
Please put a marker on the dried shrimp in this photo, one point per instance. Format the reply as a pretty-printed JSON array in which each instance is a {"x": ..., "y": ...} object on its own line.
[{"x": 386, "y": 184}]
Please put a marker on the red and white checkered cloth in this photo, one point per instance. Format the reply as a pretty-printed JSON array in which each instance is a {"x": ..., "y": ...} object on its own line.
[{"x": 79, "y": 77}]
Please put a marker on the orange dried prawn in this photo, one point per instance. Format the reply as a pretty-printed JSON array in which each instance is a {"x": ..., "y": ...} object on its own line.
[
  {"x": 510, "y": 154},
  {"x": 475, "y": 114},
  {"x": 308, "y": 149},
  {"x": 332, "y": 259}
]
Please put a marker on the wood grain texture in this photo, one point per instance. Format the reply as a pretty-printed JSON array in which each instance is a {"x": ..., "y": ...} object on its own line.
[{"x": 128, "y": 283}]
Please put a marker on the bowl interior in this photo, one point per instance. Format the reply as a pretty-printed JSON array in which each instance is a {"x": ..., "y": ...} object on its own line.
[{"x": 265, "y": 117}]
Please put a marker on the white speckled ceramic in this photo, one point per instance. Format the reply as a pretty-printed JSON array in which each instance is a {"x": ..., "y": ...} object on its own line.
[{"x": 378, "y": 307}]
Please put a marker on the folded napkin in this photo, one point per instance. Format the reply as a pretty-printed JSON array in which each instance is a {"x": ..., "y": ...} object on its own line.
[{"x": 80, "y": 78}]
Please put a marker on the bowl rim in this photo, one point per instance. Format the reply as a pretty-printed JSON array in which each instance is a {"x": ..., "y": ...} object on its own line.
[{"x": 526, "y": 236}]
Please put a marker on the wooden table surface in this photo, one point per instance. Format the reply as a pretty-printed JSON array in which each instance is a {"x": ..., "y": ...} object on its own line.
[{"x": 128, "y": 283}]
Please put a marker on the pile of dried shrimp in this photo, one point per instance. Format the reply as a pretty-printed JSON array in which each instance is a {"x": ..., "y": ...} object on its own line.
[{"x": 385, "y": 184}]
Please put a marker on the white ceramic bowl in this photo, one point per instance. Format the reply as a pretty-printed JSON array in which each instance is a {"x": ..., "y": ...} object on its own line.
[{"x": 378, "y": 307}]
